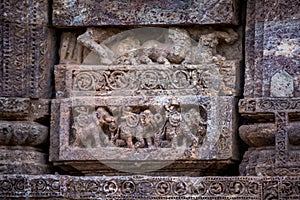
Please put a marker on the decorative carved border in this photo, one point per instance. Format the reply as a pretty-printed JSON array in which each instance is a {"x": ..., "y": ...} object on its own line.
[
  {"x": 24, "y": 108},
  {"x": 269, "y": 105},
  {"x": 131, "y": 187},
  {"x": 121, "y": 80},
  {"x": 144, "y": 187}
]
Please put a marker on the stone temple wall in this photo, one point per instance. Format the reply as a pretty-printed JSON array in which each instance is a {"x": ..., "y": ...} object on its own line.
[{"x": 155, "y": 99}]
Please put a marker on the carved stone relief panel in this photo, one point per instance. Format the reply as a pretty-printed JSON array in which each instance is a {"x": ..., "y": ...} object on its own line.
[{"x": 146, "y": 96}]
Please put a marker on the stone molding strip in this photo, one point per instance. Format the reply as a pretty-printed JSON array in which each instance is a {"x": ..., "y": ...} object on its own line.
[{"x": 145, "y": 187}]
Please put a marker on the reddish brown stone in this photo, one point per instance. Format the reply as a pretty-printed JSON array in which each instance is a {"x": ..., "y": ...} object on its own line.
[
  {"x": 147, "y": 187},
  {"x": 80, "y": 145},
  {"x": 97, "y": 13},
  {"x": 27, "y": 57},
  {"x": 271, "y": 88},
  {"x": 23, "y": 160},
  {"x": 23, "y": 133},
  {"x": 24, "y": 109},
  {"x": 33, "y": 12},
  {"x": 272, "y": 45}
]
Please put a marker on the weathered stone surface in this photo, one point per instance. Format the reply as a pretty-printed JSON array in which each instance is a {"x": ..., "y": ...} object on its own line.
[
  {"x": 148, "y": 80},
  {"x": 263, "y": 134},
  {"x": 210, "y": 137},
  {"x": 24, "y": 109},
  {"x": 272, "y": 45},
  {"x": 154, "y": 45},
  {"x": 27, "y": 59},
  {"x": 147, "y": 97},
  {"x": 271, "y": 88},
  {"x": 22, "y": 133},
  {"x": 33, "y": 12},
  {"x": 262, "y": 161},
  {"x": 192, "y": 45},
  {"x": 71, "y": 52},
  {"x": 282, "y": 85},
  {"x": 145, "y": 187},
  {"x": 96, "y": 13},
  {"x": 282, "y": 136},
  {"x": 23, "y": 160}
]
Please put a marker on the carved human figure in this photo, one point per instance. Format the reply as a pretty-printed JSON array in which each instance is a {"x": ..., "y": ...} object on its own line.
[
  {"x": 108, "y": 125},
  {"x": 171, "y": 129}
]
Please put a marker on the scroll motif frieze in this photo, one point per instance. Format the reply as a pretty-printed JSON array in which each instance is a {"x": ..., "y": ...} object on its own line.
[
  {"x": 125, "y": 187},
  {"x": 85, "y": 80},
  {"x": 134, "y": 81}
]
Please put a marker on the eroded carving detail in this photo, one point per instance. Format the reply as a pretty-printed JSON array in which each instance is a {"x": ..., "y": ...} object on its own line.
[
  {"x": 27, "y": 56},
  {"x": 62, "y": 187},
  {"x": 24, "y": 108},
  {"x": 103, "y": 81},
  {"x": 265, "y": 105},
  {"x": 139, "y": 126},
  {"x": 138, "y": 73},
  {"x": 22, "y": 133},
  {"x": 172, "y": 46}
]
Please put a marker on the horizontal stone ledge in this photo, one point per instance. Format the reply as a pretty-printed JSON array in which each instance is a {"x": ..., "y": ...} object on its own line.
[
  {"x": 147, "y": 187},
  {"x": 24, "y": 108},
  {"x": 68, "y": 13},
  {"x": 149, "y": 80},
  {"x": 269, "y": 105},
  {"x": 23, "y": 160}
]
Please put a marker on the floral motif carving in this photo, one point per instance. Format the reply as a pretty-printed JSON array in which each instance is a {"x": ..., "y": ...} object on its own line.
[{"x": 102, "y": 81}]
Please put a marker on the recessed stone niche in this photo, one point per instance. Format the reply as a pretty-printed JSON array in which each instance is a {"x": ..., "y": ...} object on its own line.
[{"x": 146, "y": 99}]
